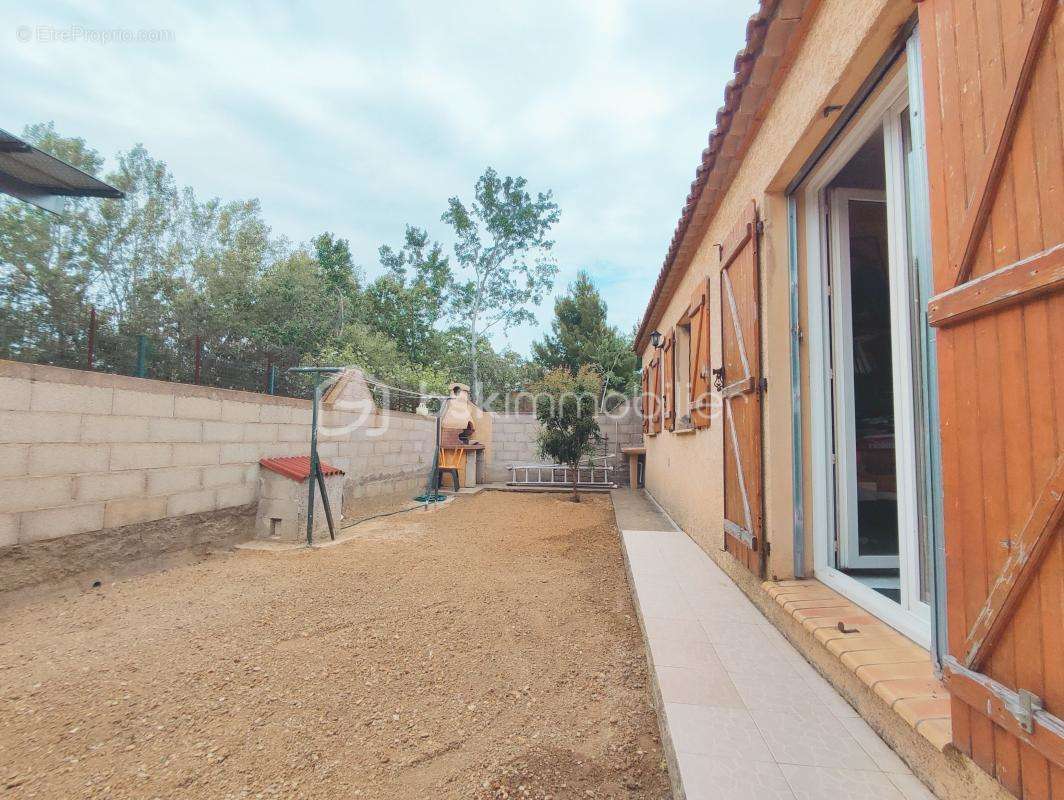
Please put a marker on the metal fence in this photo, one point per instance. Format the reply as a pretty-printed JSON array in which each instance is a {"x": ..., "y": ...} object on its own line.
[{"x": 88, "y": 341}]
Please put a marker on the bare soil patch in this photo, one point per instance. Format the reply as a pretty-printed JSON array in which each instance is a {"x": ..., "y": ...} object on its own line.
[{"x": 487, "y": 649}]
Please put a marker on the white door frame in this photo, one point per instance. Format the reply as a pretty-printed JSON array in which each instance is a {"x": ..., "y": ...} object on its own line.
[
  {"x": 910, "y": 618},
  {"x": 846, "y": 497}
]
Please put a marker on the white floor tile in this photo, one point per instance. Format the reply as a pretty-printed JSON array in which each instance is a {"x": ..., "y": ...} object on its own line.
[
  {"x": 679, "y": 630},
  {"x": 818, "y": 783},
  {"x": 716, "y": 732},
  {"x": 911, "y": 787},
  {"x": 694, "y": 655},
  {"x": 886, "y": 759},
  {"x": 703, "y": 687},
  {"x": 706, "y": 778},
  {"x": 811, "y": 741},
  {"x": 779, "y": 693}
]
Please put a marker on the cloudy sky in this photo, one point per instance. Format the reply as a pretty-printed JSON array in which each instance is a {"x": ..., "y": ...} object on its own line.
[{"x": 359, "y": 117}]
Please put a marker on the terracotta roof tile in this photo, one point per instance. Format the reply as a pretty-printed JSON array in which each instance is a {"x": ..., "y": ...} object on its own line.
[
  {"x": 296, "y": 467},
  {"x": 745, "y": 61}
]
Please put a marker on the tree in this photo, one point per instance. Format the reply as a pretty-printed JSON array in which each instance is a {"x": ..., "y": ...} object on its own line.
[
  {"x": 580, "y": 335},
  {"x": 566, "y": 409},
  {"x": 502, "y": 241}
]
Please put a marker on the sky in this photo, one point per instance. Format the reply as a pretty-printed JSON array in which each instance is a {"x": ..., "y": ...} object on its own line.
[{"x": 359, "y": 118}]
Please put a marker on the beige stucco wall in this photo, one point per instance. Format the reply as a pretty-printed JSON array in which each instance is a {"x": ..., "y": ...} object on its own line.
[
  {"x": 85, "y": 451},
  {"x": 684, "y": 472}
]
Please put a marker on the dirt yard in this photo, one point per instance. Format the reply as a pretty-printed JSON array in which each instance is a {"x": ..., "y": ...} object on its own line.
[{"x": 484, "y": 650}]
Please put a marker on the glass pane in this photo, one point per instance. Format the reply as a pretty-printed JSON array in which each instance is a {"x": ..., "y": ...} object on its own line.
[{"x": 873, "y": 386}]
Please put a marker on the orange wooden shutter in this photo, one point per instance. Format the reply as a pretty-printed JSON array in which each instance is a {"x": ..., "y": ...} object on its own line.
[
  {"x": 651, "y": 397},
  {"x": 740, "y": 379},
  {"x": 668, "y": 389},
  {"x": 698, "y": 367},
  {"x": 996, "y": 164},
  {"x": 646, "y": 399}
]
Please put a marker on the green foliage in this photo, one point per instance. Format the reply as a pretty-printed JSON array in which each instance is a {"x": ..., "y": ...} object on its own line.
[
  {"x": 580, "y": 335},
  {"x": 168, "y": 265},
  {"x": 502, "y": 246},
  {"x": 566, "y": 408}
]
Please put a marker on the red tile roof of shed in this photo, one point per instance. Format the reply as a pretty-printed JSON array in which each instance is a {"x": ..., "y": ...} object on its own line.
[{"x": 296, "y": 467}]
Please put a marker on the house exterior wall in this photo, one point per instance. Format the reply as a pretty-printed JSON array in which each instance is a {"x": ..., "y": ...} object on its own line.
[
  {"x": 85, "y": 451},
  {"x": 684, "y": 471}
]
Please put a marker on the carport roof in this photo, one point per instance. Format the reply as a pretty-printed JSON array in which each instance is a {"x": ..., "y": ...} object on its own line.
[{"x": 39, "y": 178}]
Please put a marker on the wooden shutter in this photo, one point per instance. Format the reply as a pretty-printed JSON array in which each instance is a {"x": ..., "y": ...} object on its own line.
[
  {"x": 698, "y": 368},
  {"x": 993, "y": 88},
  {"x": 646, "y": 398},
  {"x": 739, "y": 379},
  {"x": 668, "y": 388},
  {"x": 652, "y": 410}
]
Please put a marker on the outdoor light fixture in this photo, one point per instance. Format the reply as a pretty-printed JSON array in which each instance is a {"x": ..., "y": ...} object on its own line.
[{"x": 655, "y": 339}]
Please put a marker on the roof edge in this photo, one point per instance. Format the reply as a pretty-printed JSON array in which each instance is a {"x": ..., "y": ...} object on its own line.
[{"x": 757, "y": 28}]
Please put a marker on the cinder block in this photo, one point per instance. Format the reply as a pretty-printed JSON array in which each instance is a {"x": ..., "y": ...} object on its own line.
[
  {"x": 223, "y": 432},
  {"x": 240, "y": 453},
  {"x": 197, "y": 408},
  {"x": 293, "y": 433},
  {"x": 143, "y": 404},
  {"x": 65, "y": 459},
  {"x": 52, "y": 523},
  {"x": 224, "y": 475},
  {"x": 175, "y": 430},
  {"x": 114, "y": 429},
  {"x": 29, "y": 494},
  {"x": 301, "y": 416},
  {"x": 131, "y": 510},
  {"x": 196, "y": 455},
  {"x": 175, "y": 479},
  {"x": 240, "y": 495},
  {"x": 14, "y": 460},
  {"x": 233, "y": 411},
  {"x": 191, "y": 503},
  {"x": 8, "y": 529},
  {"x": 274, "y": 413},
  {"x": 30, "y": 427},
  {"x": 14, "y": 394},
  {"x": 260, "y": 432},
  {"x": 140, "y": 456},
  {"x": 109, "y": 485},
  {"x": 69, "y": 397}
]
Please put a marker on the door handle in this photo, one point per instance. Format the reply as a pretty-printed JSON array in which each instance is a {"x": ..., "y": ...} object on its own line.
[{"x": 718, "y": 378}]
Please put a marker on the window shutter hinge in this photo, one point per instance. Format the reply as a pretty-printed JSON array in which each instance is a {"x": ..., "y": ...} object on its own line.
[
  {"x": 797, "y": 332},
  {"x": 763, "y": 385},
  {"x": 1027, "y": 704},
  {"x": 760, "y": 226}
]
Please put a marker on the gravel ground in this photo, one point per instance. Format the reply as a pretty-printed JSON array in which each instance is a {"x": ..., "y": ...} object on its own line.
[{"x": 487, "y": 649}]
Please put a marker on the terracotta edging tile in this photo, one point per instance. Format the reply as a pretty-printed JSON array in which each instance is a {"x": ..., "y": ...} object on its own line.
[
  {"x": 938, "y": 731},
  {"x": 871, "y": 674},
  {"x": 915, "y": 710},
  {"x": 898, "y": 671},
  {"x": 903, "y": 688}
]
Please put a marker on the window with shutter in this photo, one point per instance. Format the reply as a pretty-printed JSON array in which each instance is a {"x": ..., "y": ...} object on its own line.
[
  {"x": 701, "y": 399},
  {"x": 668, "y": 382}
]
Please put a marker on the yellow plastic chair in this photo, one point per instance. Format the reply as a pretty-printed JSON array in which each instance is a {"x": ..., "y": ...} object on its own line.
[{"x": 450, "y": 462}]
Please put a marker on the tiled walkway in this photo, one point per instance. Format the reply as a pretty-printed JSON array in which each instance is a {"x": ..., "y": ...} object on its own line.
[{"x": 745, "y": 715}]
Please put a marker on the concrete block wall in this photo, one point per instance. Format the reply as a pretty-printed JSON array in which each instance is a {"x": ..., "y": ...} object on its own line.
[
  {"x": 514, "y": 441},
  {"x": 85, "y": 451}
]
